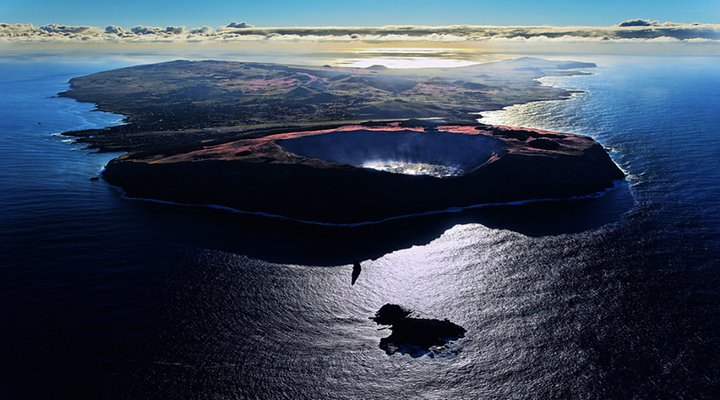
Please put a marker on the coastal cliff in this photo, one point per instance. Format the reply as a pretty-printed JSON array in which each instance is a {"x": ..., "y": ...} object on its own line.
[{"x": 258, "y": 175}]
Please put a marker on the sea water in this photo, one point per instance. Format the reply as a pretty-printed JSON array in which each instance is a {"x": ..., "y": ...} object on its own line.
[{"x": 617, "y": 297}]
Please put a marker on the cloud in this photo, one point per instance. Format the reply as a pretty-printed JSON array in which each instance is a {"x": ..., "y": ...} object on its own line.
[
  {"x": 146, "y": 30},
  {"x": 113, "y": 29},
  {"x": 174, "y": 30},
  {"x": 239, "y": 25},
  {"x": 205, "y": 30},
  {"x": 64, "y": 29},
  {"x": 638, "y": 22},
  {"x": 638, "y": 30}
]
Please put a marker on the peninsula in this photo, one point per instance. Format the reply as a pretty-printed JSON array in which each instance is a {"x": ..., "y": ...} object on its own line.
[{"x": 336, "y": 145}]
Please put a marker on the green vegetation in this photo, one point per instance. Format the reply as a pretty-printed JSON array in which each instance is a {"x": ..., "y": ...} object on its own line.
[{"x": 182, "y": 104}]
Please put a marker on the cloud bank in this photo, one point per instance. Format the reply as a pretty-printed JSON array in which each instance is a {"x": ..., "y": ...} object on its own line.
[{"x": 637, "y": 30}]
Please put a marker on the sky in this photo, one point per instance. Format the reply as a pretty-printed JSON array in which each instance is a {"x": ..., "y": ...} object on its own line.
[{"x": 194, "y": 13}]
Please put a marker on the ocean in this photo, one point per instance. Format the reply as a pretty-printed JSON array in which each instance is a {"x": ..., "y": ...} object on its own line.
[{"x": 613, "y": 297}]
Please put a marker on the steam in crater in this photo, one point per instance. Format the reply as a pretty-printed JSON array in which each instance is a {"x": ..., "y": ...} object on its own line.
[
  {"x": 409, "y": 168},
  {"x": 438, "y": 154}
]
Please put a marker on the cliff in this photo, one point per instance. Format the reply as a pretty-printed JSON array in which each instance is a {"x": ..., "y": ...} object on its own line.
[{"x": 260, "y": 175}]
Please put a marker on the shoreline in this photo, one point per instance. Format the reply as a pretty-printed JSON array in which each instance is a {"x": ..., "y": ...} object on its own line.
[
  {"x": 616, "y": 184},
  {"x": 260, "y": 175}
]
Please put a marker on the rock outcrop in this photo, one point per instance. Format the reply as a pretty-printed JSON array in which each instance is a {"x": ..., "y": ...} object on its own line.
[{"x": 414, "y": 336}]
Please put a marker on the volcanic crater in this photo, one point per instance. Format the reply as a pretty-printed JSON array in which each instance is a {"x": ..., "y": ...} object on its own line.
[
  {"x": 354, "y": 174},
  {"x": 438, "y": 154}
]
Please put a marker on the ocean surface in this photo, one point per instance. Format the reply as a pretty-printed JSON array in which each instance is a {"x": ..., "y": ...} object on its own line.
[{"x": 616, "y": 297}]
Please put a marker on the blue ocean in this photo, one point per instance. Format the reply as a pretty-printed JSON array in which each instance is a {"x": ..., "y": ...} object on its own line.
[{"x": 614, "y": 297}]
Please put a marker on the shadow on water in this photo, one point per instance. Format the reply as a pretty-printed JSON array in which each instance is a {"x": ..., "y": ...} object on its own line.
[{"x": 290, "y": 242}]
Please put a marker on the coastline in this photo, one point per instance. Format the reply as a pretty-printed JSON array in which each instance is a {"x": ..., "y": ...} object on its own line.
[
  {"x": 616, "y": 184},
  {"x": 260, "y": 175}
]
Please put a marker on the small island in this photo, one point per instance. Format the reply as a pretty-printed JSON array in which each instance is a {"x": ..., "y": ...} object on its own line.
[
  {"x": 414, "y": 336},
  {"x": 336, "y": 145}
]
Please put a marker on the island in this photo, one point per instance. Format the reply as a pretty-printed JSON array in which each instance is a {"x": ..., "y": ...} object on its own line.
[
  {"x": 338, "y": 146},
  {"x": 414, "y": 336}
]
